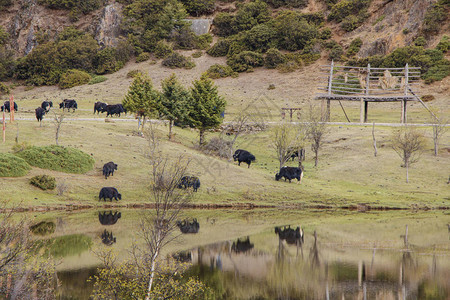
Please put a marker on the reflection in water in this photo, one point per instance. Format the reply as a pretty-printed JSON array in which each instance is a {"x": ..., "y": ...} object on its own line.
[
  {"x": 290, "y": 235},
  {"x": 107, "y": 238},
  {"x": 43, "y": 228},
  {"x": 188, "y": 227},
  {"x": 109, "y": 218},
  {"x": 242, "y": 246}
]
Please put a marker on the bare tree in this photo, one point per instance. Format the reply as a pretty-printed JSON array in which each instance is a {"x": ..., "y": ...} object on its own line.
[
  {"x": 287, "y": 139},
  {"x": 58, "y": 120},
  {"x": 316, "y": 130},
  {"x": 439, "y": 129},
  {"x": 409, "y": 144}
]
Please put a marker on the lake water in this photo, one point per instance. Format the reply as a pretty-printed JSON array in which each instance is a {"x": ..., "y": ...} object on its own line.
[{"x": 356, "y": 255}]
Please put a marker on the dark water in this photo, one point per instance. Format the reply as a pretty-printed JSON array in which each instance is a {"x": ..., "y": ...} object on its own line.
[{"x": 239, "y": 255}]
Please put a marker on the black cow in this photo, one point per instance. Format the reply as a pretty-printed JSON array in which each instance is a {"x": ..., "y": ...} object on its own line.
[
  {"x": 243, "y": 156},
  {"x": 69, "y": 104},
  {"x": 46, "y": 105},
  {"x": 40, "y": 113},
  {"x": 109, "y": 218},
  {"x": 107, "y": 238},
  {"x": 6, "y": 107},
  {"x": 291, "y": 236},
  {"x": 189, "y": 181},
  {"x": 114, "y": 109},
  {"x": 188, "y": 227},
  {"x": 289, "y": 173},
  {"x": 241, "y": 246},
  {"x": 99, "y": 107},
  {"x": 295, "y": 152},
  {"x": 109, "y": 192},
  {"x": 108, "y": 169}
]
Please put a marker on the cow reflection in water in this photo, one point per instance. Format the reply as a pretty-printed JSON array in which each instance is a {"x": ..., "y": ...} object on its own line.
[
  {"x": 183, "y": 256},
  {"x": 107, "y": 238},
  {"x": 291, "y": 236},
  {"x": 188, "y": 227},
  {"x": 109, "y": 218},
  {"x": 241, "y": 246}
]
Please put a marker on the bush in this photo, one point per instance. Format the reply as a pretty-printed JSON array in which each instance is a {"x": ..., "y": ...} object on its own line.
[
  {"x": 346, "y": 8},
  {"x": 350, "y": 23},
  {"x": 106, "y": 61},
  {"x": 354, "y": 47},
  {"x": 163, "y": 49},
  {"x": 260, "y": 38},
  {"x": 220, "y": 48},
  {"x": 13, "y": 166},
  {"x": 197, "y": 54},
  {"x": 219, "y": 147},
  {"x": 274, "y": 58},
  {"x": 287, "y": 3},
  {"x": 84, "y": 6},
  {"x": 57, "y": 158},
  {"x": 437, "y": 72},
  {"x": 43, "y": 228},
  {"x": 223, "y": 24},
  {"x": 435, "y": 17},
  {"x": 250, "y": 15},
  {"x": 219, "y": 71},
  {"x": 245, "y": 61},
  {"x": 4, "y": 89},
  {"x": 44, "y": 182},
  {"x": 177, "y": 60},
  {"x": 444, "y": 44},
  {"x": 73, "y": 78},
  {"x": 287, "y": 67},
  {"x": 293, "y": 31},
  {"x": 336, "y": 52},
  {"x": 420, "y": 41},
  {"x": 97, "y": 79},
  {"x": 198, "y": 7},
  {"x": 134, "y": 73},
  {"x": 325, "y": 34},
  {"x": 144, "y": 56},
  {"x": 184, "y": 38},
  {"x": 203, "y": 41}
]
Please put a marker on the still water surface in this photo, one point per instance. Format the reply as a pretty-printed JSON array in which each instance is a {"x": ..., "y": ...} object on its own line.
[{"x": 237, "y": 252}]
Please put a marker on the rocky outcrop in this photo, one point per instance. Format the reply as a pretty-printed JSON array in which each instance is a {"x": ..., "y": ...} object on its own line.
[{"x": 107, "y": 30}]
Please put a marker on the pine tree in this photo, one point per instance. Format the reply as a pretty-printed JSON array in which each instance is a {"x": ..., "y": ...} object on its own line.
[
  {"x": 141, "y": 98},
  {"x": 206, "y": 107},
  {"x": 173, "y": 103}
]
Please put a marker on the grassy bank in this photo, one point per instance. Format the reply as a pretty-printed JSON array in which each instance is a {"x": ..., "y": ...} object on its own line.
[{"x": 348, "y": 173}]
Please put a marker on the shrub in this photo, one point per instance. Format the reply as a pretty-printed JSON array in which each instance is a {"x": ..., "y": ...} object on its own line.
[
  {"x": 444, "y": 44},
  {"x": 325, "y": 34},
  {"x": 420, "y": 41},
  {"x": 250, "y": 15},
  {"x": 144, "y": 56},
  {"x": 20, "y": 147},
  {"x": 163, "y": 49},
  {"x": 44, "y": 182},
  {"x": 274, "y": 58},
  {"x": 134, "y": 73},
  {"x": 287, "y": 3},
  {"x": 62, "y": 187},
  {"x": 260, "y": 38},
  {"x": 435, "y": 17},
  {"x": 43, "y": 228},
  {"x": 57, "y": 158},
  {"x": 427, "y": 98},
  {"x": 219, "y": 147},
  {"x": 437, "y": 72},
  {"x": 97, "y": 79},
  {"x": 245, "y": 61},
  {"x": 219, "y": 71},
  {"x": 204, "y": 40},
  {"x": 350, "y": 23},
  {"x": 12, "y": 166},
  {"x": 197, "y": 54},
  {"x": 198, "y": 7},
  {"x": 336, "y": 52},
  {"x": 346, "y": 8},
  {"x": 4, "y": 89},
  {"x": 84, "y": 6},
  {"x": 289, "y": 66},
  {"x": 107, "y": 61},
  {"x": 223, "y": 24},
  {"x": 176, "y": 60},
  {"x": 293, "y": 31},
  {"x": 354, "y": 47},
  {"x": 184, "y": 38},
  {"x": 73, "y": 78},
  {"x": 271, "y": 86}
]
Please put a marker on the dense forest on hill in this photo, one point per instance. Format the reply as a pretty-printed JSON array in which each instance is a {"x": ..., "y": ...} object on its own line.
[{"x": 276, "y": 34}]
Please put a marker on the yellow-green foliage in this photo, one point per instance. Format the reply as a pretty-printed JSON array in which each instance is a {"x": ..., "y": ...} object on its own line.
[
  {"x": 57, "y": 158},
  {"x": 134, "y": 73},
  {"x": 245, "y": 61},
  {"x": 219, "y": 71},
  {"x": 43, "y": 228},
  {"x": 176, "y": 60},
  {"x": 73, "y": 78},
  {"x": 65, "y": 245},
  {"x": 142, "y": 57},
  {"x": 163, "y": 49},
  {"x": 44, "y": 182},
  {"x": 97, "y": 79},
  {"x": 12, "y": 166}
]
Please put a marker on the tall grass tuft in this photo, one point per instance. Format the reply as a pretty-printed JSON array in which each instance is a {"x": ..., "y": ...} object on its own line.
[{"x": 13, "y": 166}]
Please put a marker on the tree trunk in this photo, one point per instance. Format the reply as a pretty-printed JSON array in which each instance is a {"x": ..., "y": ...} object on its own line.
[
  {"x": 435, "y": 140},
  {"x": 170, "y": 129},
  {"x": 316, "y": 159},
  {"x": 407, "y": 175},
  {"x": 202, "y": 136}
]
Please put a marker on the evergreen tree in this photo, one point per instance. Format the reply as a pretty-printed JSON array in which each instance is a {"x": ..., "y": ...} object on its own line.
[
  {"x": 206, "y": 107},
  {"x": 173, "y": 103},
  {"x": 141, "y": 98}
]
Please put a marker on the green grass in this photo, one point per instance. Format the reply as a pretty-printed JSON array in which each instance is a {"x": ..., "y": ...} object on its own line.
[
  {"x": 13, "y": 166},
  {"x": 66, "y": 245},
  {"x": 58, "y": 158}
]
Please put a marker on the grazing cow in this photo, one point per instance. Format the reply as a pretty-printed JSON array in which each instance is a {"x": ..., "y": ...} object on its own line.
[
  {"x": 114, "y": 109},
  {"x": 243, "y": 156},
  {"x": 109, "y": 192},
  {"x": 99, "y": 107},
  {"x": 109, "y": 218},
  {"x": 295, "y": 152},
  {"x": 46, "y": 105},
  {"x": 108, "y": 169},
  {"x": 188, "y": 227},
  {"x": 6, "y": 106},
  {"x": 290, "y": 235},
  {"x": 69, "y": 104},
  {"x": 40, "y": 112},
  {"x": 189, "y": 181},
  {"x": 242, "y": 246},
  {"x": 289, "y": 173},
  {"x": 107, "y": 238}
]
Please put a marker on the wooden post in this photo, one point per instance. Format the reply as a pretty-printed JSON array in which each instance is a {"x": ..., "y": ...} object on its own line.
[
  {"x": 328, "y": 110},
  {"x": 403, "y": 112},
  {"x": 11, "y": 109},
  {"x": 330, "y": 84},
  {"x": 366, "y": 109},
  {"x": 405, "y": 104},
  {"x": 362, "y": 104}
]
